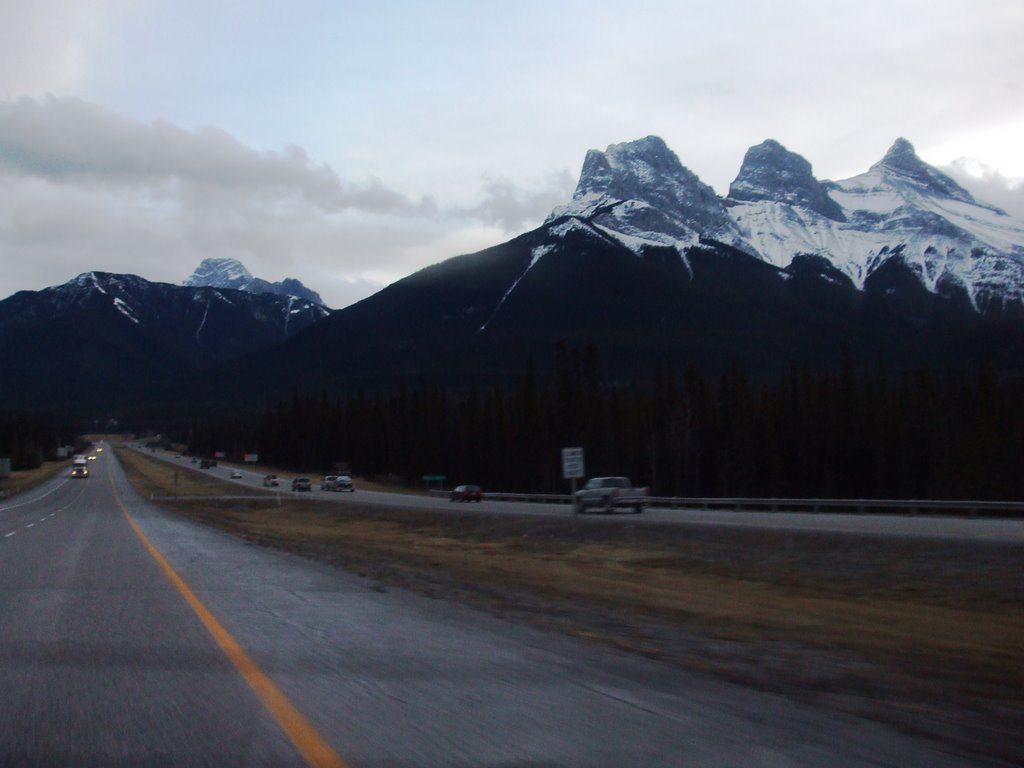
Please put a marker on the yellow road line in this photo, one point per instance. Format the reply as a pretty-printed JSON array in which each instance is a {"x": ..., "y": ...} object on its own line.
[{"x": 307, "y": 740}]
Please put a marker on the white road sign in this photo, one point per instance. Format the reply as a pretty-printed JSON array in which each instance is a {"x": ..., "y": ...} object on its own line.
[{"x": 572, "y": 463}]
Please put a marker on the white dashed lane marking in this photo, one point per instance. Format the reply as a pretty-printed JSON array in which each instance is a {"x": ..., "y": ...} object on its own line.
[{"x": 29, "y": 525}]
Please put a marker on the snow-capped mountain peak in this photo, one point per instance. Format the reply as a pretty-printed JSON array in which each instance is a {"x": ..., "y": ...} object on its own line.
[
  {"x": 231, "y": 273},
  {"x": 902, "y": 167},
  {"x": 220, "y": 273},
  {"x": 772, "y": 172},
  {"x": 641, "y": 195},
  {"x": 641, "y": 191}
]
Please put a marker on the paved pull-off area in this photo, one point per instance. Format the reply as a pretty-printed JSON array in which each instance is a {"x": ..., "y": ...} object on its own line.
[{"x": 201, "y": 649}]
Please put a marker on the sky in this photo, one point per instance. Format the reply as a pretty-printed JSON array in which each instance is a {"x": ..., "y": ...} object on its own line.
[{"x": 349, "y": 144}]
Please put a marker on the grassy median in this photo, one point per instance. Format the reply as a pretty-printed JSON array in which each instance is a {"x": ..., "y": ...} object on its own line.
[
  {"x": 926, "y": 634},
  {"x": 22, "y": 480}
]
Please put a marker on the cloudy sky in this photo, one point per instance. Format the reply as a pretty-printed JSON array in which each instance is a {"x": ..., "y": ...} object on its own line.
[{"x": 350, "y": 143}]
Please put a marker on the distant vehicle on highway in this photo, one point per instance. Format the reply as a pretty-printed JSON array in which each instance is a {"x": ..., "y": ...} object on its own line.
[
  {"x": 466, "y": 493},
  {"x": 79, "y": 470},
  {"x": 609, "y": 494},
  {"x": 336, "y": 483},
  {"x": 92, "y": 457},
  {"x": 302, "y": 484},
  {"x": 270, "y": 481},
  {"x": 236, "y": 475}
]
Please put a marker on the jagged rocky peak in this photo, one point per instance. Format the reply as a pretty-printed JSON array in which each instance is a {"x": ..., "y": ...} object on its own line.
[
  {"x": 231, "y": 273},
  {"x": 902, "y": 164},
  {"x": 773, "y": 173},
  {"x": 630, "y": 185},
  {"x": 645, "y": 169},
  {"x": 220, "y": 273}
]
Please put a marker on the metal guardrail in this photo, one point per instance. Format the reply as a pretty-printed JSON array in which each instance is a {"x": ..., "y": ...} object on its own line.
[
  {"x": 822, "y": 506},
  {"x": 535, "y": 498},
  {"x": 858, "y": 506}
]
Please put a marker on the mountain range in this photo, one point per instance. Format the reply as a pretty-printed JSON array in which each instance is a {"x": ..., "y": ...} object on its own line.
[
  {"x": 231, "y": 273},
  {"x": 895, "y": 268},
  {"x": 898, "y": 267},
  {"x": 776, "y": 210},
  {"x": 118, "y": 340}
]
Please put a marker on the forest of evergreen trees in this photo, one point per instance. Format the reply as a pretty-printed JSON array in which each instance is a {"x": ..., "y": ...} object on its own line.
[
  {"x": 26, "y": 439},
  {"x": 837, "y": 434}
]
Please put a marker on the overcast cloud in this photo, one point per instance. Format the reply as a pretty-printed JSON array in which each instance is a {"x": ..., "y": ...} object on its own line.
[
  {"x": 988, "y": 184},
  {"x": 349, "y": 144},
  {"x": 93, "y": 190},
  {"x": 71, "y": 141}
]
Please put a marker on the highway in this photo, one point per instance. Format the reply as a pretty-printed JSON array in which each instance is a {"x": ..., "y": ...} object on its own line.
[
  {"x": 949, "y": 527},
  {"x": 131, "y": 637}
]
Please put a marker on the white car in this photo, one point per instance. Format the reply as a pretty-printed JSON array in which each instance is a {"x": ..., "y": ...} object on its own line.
[{"x": 236, "y": 475}]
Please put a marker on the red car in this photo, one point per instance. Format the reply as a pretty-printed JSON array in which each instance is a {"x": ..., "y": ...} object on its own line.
[{"x": 467, "y": 493}]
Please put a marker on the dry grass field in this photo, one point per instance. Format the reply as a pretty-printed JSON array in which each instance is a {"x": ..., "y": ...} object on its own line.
[{"x": 25, "y": 479}]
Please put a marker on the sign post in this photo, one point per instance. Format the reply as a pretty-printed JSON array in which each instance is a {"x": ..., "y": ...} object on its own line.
[
  {"x": 439, "y": 479},
  {"x": 572, "y": 465}
]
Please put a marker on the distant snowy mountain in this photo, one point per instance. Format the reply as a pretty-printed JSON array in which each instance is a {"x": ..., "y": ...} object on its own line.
[
  {"x": 902, "y": 208},
  {"x": 220, "y": 273},
  {"x": 231, "y": 273},
  {"x": 108, "y": 337}
]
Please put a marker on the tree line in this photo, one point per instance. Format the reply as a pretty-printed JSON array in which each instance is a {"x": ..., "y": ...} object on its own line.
[
  {"x": 832, "y": 434},
  {"x": 27, "y": 439}
]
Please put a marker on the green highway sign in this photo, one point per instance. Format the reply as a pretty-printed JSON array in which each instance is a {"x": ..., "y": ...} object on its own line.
[{"x": 435, "y": 478}]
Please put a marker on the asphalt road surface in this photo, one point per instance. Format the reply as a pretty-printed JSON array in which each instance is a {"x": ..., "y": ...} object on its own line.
[
  {"x": 922, "y": 526},
  {"x": 130, "y": 637}
]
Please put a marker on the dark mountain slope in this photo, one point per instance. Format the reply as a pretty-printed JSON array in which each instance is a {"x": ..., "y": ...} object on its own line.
[
  {"x": 479, "y": 318},
  {"x": 105, "y": 341}
]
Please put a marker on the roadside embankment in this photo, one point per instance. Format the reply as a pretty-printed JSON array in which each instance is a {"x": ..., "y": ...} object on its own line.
[{"x": 22, "y": 480}]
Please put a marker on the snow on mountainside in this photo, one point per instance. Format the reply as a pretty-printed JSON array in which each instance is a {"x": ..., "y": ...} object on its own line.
[
  {"x": 640, "y": 194},
  {"x": 231, "y": 273},
  {"x": 220, "y": 273},
  {"x": 119, "y": 337},
  {"x": 773, "y": 173},
  {"x": 144, "y": 302},
  {"x": 900, "y": 206}
]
